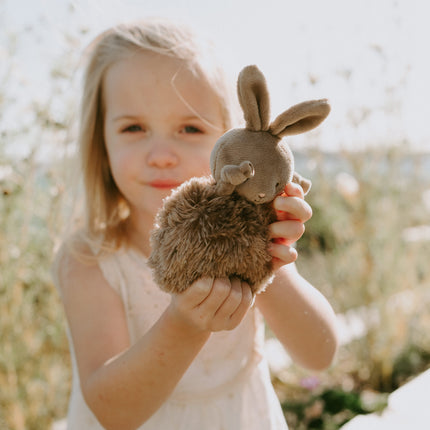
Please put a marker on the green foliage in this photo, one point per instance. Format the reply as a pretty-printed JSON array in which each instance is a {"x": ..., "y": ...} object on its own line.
[
  {"x": 34, "y": 371},
  {"x": 370, "y": 264},
  {"x": 358, "y": 226},
  {"x": 329, "y": 409},
  {"x": 34, "y": 356},
  {"x": 326, "y": 400}
]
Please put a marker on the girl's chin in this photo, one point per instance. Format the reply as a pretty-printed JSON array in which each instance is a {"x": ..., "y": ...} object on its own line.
[
  {"x": 156, "y": 202},
  {"x": 151, "y": 201}
]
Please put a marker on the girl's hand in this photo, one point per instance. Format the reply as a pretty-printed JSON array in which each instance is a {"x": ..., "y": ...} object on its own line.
[
  {"x": 212, "y": 304},
  {"x": 292, "y": 212}
]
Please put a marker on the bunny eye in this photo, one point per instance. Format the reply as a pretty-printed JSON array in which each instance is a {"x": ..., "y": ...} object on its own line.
[{"x": 278, "y": 187}]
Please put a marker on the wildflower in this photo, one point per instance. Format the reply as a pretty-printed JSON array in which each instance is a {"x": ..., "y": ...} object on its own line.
[
  {"x": 5, "y": 172},
  {"x": 347, "y": 185},
  {"x": 310, "y": 382}
]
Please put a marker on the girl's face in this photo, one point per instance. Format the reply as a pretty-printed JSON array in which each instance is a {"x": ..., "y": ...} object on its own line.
[{"x": 155, "y": 138}]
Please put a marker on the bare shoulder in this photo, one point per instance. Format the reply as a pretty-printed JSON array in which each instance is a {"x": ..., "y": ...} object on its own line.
[
  {"x": 78, "y": 273},
  {"x": 73, "y": 251},
  {"x": 74, "y": 260},
  {"x": 95, "y": 312}
]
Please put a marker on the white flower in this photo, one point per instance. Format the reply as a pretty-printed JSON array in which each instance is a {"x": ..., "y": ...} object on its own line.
[
  {"x": 347, "y": 185},
  {"x": 14, "y": 252},
  {"x": 5, "y": 172},
  {"x": 426, "y": 199},
  {"x": 419, "y": 233}
]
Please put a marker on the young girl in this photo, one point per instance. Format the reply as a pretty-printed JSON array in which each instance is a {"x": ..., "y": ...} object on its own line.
[{"x": 152, "y": 111}]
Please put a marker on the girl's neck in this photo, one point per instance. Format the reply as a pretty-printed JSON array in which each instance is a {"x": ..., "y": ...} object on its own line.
[{"x": 139, "y": 231}]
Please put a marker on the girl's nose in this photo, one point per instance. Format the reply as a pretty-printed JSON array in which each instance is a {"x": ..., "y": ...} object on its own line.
[{"x": 162, "y": 155}]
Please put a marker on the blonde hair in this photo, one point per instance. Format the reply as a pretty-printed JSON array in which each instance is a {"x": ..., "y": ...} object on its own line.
[{"x": 106, "y": 209}]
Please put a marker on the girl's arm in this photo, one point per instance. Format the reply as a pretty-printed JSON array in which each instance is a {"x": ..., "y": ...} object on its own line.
[
  {"x": 301, "y": 319},
  {"x": 124, "y": 385},
  {"x": 297, "y": 313}
]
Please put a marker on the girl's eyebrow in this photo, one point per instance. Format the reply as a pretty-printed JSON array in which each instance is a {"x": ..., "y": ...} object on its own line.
[
  {"x": 122, "y": 117},
  {"x": 137, "y": 117}
]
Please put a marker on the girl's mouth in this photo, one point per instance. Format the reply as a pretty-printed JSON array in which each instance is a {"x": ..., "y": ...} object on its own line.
[{"x": 164, "y": 184}]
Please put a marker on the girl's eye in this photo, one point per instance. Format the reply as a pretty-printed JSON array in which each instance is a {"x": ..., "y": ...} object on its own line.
[
  {"x": 190, "y": 129},
  {"x": 132, "y": 129}
]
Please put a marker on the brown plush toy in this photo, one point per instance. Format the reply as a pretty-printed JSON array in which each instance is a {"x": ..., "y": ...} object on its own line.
[{"x": 218, "y": 226}]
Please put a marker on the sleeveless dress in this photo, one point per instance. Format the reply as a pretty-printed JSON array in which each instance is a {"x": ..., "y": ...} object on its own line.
[{"x": 227, "y": 387}]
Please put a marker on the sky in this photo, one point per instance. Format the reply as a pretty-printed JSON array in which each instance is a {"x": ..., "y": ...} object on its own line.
[{"x": 368, "y": 57}]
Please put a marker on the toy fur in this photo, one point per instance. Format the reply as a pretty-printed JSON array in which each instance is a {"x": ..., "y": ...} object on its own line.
[{"x": 218, "y": 226}]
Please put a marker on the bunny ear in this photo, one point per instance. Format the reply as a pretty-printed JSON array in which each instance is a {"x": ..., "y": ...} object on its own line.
[
  {"x": 300, "y": 118},
  {"x": 254, "y": 98}
]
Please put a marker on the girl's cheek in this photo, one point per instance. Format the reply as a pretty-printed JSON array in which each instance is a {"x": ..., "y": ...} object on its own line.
[
  {"x": 122, "y": 160},
  {"x": 120, "y": 168},
  {"x": 201, "y": 164}
]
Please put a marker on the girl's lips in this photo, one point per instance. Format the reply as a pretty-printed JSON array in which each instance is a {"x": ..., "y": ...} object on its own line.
[{"x": 164, "y": 184}]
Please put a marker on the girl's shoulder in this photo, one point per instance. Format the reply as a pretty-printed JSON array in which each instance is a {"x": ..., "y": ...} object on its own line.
[
  {"x": 77, "y": 256},
  {"x": 74, "y": 248},
  {"x": 81, "y": 259}
]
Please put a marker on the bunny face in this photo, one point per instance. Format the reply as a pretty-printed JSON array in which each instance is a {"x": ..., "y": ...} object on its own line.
[{"x": 271, "y": 159}]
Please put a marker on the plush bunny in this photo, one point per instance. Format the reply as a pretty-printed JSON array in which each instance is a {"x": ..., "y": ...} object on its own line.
[{"x": 218, "y": 226}]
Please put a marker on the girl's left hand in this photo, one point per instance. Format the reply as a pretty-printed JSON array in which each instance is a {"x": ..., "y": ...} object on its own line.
[{"x": 292, "y": 212}]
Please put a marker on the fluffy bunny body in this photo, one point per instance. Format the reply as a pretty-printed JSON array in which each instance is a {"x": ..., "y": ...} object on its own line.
[
  {"x": 200, "y": 233},
  {"x": 218, "y": 226}
]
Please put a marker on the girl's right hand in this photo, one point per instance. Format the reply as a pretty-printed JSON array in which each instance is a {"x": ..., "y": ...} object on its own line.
[{"x": 212, "y": 304}]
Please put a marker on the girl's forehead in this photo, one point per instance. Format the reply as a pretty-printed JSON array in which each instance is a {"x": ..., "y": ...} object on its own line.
[
  {"x": 160, "y": 81},
  {"x": 149, "y": 66}
]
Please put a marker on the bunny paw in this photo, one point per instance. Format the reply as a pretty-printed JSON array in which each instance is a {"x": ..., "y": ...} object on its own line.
[{"x": 247, "y": 169}]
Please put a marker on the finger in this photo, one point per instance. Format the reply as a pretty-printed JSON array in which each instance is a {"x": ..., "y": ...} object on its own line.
[
  {"x": 291, "y": 231},
  {"x": 220, "y": 291},
  {"x": 232, "y": 301},
  {"x": 293, "y": 189},
  {"x": 282, "y": 254},
  {"x": 245, "y": 304},
  {"x": 197, "y": 292},
  {"x": 296, "y": 207}
]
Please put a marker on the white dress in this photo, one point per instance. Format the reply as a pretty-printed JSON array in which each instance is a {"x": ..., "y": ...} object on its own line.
[{"x": 227, "y": 387}]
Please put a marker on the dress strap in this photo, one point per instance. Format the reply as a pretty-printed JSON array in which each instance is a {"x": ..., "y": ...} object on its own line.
[{"x": 111, "y": 271}]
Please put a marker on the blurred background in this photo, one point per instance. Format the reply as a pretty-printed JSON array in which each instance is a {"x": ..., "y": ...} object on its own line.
[{"x": 366, "y": 248}]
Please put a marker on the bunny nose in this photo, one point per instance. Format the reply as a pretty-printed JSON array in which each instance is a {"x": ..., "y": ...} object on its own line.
[{"x": 262, "y": 195}]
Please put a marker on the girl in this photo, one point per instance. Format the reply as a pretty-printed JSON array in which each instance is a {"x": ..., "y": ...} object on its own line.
[{"x": 152, "y": 110}]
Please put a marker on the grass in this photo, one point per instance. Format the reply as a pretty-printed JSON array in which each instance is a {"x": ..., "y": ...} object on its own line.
[
  {"x": 370, "y": 264},
  {"x": 34, "y": 362}
]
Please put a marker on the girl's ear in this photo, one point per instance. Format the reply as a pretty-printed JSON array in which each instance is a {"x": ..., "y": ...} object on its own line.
[
  {"x": 300, "y": 118},
  {"x": 254, "y": 98}
]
